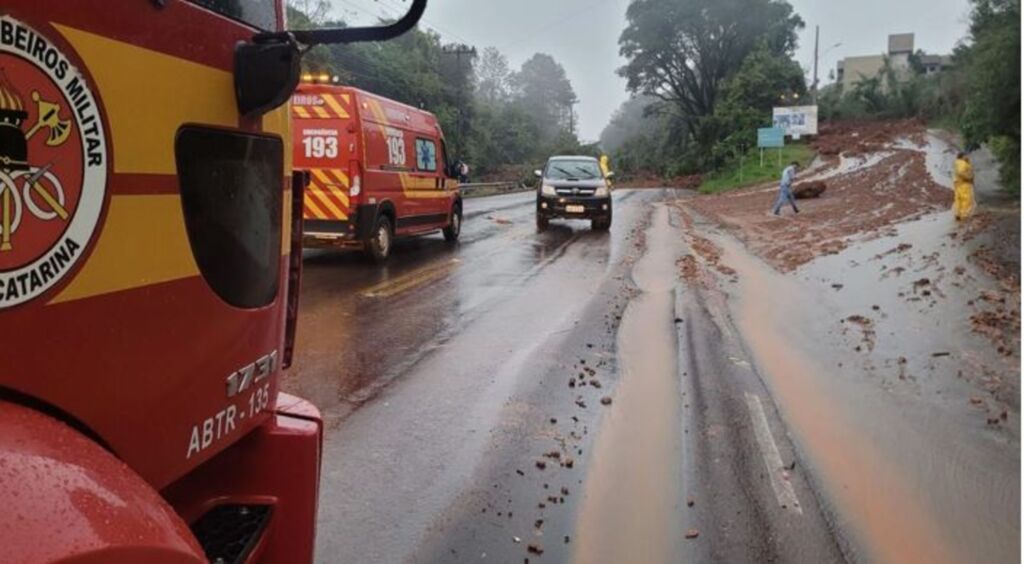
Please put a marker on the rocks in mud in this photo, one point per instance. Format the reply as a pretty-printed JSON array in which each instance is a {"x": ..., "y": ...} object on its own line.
[
  {"x": 690, "y": 502},
  {"x": 606, "y": 400},
  {"x": 692, "y": 533},
  {"x": 541, "y": 465},
  {"x": 535, "y": 549},
  {"x": 805, "y": 190}
]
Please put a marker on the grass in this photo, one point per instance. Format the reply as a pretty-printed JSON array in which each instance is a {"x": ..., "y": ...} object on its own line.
[
  {"x": 752, "y": 172},
  {"x": 946, "y": 123}
]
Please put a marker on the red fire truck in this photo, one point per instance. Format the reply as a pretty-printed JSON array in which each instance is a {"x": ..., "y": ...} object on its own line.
[
  {"x": 378, "y": 169},
  {"x": 149, "y": 269}
]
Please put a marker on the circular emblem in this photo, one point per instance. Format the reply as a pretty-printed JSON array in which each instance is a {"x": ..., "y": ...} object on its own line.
[{"x": 53, "y": 164}]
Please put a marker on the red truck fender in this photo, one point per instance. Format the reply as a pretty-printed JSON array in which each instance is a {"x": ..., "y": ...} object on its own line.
[{"x": 66, "y": 498}]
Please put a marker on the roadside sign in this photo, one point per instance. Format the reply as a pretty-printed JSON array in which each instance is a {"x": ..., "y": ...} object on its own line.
[
  {"x": 768, "y": 137},
  {"x": 796, "y": 120}
]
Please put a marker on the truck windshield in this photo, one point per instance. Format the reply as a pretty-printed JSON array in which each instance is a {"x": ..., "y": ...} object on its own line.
[
  {"x": 261, "y": 14},
  {"x": 565, "y": 169}
]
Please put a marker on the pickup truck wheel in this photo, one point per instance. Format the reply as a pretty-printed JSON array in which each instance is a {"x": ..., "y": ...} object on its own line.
[
  {"x": 451, "y": 233},
  {"x": 378, "y": 248},
  {"x": 542, "y": 222},
  {"x": 603, "y": 224}
]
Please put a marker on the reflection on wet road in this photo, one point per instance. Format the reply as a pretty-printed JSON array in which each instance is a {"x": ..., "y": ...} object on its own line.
[{"x": 363, "y": 324}]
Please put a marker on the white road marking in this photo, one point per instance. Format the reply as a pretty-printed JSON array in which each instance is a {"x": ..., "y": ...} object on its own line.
[{"x": 772, "y": 459}]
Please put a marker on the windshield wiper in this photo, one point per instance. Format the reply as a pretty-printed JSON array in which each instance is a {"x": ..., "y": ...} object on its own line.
[
  {"x": 563, "y": 171},
  {"x": 590, "y": 175}
]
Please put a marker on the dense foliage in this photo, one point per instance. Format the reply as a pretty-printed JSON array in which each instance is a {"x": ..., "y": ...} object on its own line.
[
  {"x": 495, "y": 118},
  {"x": 714, "y": 67}
]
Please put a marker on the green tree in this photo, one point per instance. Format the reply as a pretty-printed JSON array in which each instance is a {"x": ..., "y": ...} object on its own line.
[
  {"x": 681, "y": 51},
  {"x": 747, "y": 98},
  {"x": 543, "y": 89},
  {"x": 494, "y": 77},
  {"x": 992, "y": 60}
]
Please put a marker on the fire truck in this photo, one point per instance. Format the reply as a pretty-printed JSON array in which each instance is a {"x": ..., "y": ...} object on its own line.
[
  {"x": 378, "y": 169},
  {"x": 149, "y": 274}
]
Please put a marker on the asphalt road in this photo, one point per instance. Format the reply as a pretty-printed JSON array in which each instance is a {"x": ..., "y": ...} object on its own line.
[{"x": 553, "y": 396}]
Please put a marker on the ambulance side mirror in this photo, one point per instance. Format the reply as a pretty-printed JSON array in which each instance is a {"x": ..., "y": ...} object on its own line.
[
  {"x": 267, "y": 66},
  {"x": 538, "y": 173}
]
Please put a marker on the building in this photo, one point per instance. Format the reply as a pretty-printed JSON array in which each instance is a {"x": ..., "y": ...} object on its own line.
[{"x": 900, "y": 54}]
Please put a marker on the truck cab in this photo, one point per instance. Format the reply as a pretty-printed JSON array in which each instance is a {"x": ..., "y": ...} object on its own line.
[{"x": 150, "y": 260}]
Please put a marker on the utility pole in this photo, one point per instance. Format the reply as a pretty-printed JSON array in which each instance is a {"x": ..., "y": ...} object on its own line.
[
  {"x": 459, "y": 51},
  {"x": 814, "y": 85}
]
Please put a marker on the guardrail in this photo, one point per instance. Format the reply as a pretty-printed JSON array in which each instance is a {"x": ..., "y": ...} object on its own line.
[{"x": 477, "y": 189}]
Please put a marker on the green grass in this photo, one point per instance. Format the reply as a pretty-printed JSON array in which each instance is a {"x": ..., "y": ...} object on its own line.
[
  {"x": 752, "y": 172},
  {"x": 946, "y": 123}
]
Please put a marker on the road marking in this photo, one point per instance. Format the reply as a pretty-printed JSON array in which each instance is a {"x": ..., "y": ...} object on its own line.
[
  {"x": 772, "y": 459},
  {"x": 411, "y": 280}
]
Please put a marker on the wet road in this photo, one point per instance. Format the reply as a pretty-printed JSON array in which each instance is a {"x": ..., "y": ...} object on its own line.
[
  {"x": 567, "y": 396},
  {"x": 522, "y": 396}
]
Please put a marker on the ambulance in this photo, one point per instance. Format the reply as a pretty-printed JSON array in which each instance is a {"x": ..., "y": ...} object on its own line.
[{"x": 378, "y": 169}]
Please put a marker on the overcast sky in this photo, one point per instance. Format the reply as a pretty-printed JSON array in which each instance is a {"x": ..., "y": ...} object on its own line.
[{"x": 583, "y": 35}]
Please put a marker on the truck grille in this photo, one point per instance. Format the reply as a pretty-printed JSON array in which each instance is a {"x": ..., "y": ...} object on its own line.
[
  {"x": 574, "y": 191},
  {"x": 228, "y": 533}
]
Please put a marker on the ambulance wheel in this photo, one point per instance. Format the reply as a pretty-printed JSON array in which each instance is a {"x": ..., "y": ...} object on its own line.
[
  {"x": 378, "y": 248},
  {"x": 451, "y": 233}
]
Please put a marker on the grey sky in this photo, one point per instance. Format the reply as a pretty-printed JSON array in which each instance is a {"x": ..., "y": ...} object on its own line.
[{"x": 583, "y": 35}]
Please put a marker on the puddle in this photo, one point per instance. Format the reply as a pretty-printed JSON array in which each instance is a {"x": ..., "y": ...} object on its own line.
[{"x": 629, "y": 512}]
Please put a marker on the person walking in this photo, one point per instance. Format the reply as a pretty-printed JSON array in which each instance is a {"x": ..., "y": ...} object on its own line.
[
  {"x": 786, "y": 188},
  {"x": 963, "y": 187}
]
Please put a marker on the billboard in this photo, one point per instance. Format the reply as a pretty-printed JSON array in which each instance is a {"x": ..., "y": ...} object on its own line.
[{"x": 796, "y": 120}]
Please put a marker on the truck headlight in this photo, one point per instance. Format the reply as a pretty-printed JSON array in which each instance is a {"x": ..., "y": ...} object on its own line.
[
  {"x": 602, "y": 191},
  {"x": 547, "y": 190}
]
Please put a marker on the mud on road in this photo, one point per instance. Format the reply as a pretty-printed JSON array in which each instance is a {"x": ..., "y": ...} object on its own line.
[{"x": 889, "y": 336}]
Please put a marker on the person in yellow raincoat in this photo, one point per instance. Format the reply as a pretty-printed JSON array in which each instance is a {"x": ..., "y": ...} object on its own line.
[
  {"x": 605, "y": 169},
  {"x": 963, "y": 187}
]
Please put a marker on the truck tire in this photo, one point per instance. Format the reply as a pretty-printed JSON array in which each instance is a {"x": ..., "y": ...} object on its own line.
[
  {"x": 454, "y": 228},
  {"x": 378, "y": 247},
  {"x": 542, "y": 222},
  {"x": 601, "y": 224}
]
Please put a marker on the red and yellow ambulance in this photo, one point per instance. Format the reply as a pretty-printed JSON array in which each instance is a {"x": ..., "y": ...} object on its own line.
[{"x": 379, "y": 169}]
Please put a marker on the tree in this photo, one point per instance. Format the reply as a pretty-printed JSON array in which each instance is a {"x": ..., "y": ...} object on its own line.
[
  {"x": 681, "y": 51},
  {"x": 747, "y": 98},
  {"x": 543, "y": 89},
  {"x": 992, "y": 60},
  {"x": 493, "y": 77}
]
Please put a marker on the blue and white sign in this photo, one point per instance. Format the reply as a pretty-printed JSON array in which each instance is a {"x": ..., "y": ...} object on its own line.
[{"x": 770, "y": 137}]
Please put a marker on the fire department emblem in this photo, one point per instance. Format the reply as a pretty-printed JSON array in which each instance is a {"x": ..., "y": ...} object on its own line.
[{"x": 53, "y": 164}]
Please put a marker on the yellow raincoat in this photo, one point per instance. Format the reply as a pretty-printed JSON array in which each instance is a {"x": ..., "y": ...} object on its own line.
[
  {"x": 605, "y": 168},
  {"x": 963, "y": 189}
]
